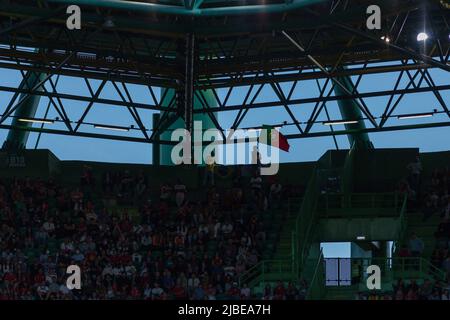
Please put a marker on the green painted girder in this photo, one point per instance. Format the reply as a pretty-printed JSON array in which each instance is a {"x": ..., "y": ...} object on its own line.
[
  {"x": 17, "y": 139},
  {"x": 174, "y": 122},
  {"x": 350, "y": 111},
  {"x": 195, "y": 11}
]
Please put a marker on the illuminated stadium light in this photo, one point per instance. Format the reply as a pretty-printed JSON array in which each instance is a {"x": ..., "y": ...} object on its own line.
[
  {"x": 361, "y": 238},
  {"x": 422, "y": 37},
  {"x": 113, "y": 128},
  {"x": 415, "y": 116},
  {"x": 331, "y": 123},
  {"x": 386, "y": 39},
  {"x": 44, "y": 121}
]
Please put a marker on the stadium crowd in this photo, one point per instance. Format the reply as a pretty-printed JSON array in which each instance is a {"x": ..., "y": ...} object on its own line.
[
  {"x": 165, "y": 247},
  {"x": 410, "y": 290},
  {"x": 438, "y": 203},
  {"x": 428, "y": 290},
  {"x": 431, "y": 197}
]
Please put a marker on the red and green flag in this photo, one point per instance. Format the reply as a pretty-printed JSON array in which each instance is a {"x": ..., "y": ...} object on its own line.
[{"x": 272, "y": 137}]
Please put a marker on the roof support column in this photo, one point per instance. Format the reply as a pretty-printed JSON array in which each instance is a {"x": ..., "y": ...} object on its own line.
[
  {"x": 350, "y": 111},
  {"x": 17, "y": 139}
]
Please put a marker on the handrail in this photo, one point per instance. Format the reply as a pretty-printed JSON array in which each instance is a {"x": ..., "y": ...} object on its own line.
[
  {"x": 401, "y": 226},
  {"x": 246, "y": 275},
  {"x": 347, "y": 178},
  {"x": 266, "y": 266},
  {"x": 314, "y": 284},
  {"x": 301, "y": 233},
  {"x": 436, "y": 272}
]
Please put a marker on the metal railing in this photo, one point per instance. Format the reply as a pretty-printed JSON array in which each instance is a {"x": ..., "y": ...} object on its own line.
[
  {"x": 316, "y": 288},
  {"x": 347, "y": 178},
  {"x": 341, "y": 271},
  {"x": 261, "y": 270},
  {"x": 302, "y": 233},
  {"x": 330, "y": 203},
  {"x": 402, "y": 226}
]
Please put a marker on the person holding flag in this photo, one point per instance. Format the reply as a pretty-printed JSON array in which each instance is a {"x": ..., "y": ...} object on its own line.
[{"x": 272, "y": 137}]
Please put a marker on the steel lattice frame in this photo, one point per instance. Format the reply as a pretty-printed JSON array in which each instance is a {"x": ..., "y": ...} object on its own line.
[{"x": 250, "y": 52}]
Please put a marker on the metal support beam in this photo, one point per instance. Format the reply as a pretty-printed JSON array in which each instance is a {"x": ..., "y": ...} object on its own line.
[
  {"x": 156, "y": 152},
  {"x": 17, "y": 139},
  {"x": 407, "y": 52},
  {"x": 189, "y": 82},
  {"x": 350, "y": 111}
]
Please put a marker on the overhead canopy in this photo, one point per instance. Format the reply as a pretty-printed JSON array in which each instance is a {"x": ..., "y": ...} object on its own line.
[{"x": 197, "y": 7}]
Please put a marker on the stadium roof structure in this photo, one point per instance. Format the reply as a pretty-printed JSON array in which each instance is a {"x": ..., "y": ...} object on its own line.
[{"x": 198, "y": 45}]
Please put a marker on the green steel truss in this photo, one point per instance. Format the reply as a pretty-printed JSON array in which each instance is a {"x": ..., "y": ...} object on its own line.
[{"x": 240, "y": 47}]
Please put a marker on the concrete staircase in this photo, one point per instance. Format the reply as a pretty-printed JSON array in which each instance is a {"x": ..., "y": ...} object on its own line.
[{"x": 283, "y": 249}]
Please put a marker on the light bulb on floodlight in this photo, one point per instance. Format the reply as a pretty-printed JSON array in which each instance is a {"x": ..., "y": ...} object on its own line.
[
  {"x": 386, "y": 39},
  {"x": 422, "y": 36}
]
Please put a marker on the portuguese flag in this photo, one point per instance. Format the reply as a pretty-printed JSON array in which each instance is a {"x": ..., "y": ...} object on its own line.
[{"x": 272, "y": 137}]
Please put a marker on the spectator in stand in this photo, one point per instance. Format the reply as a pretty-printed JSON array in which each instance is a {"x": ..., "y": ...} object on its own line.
[
  {"x": 267, "y": 295},
  {"x": 256, "y": 161},
  {"x": 415, "y": 170},
  {"x": 292, "y": 292},
  {"x": 77, "y": 200},
  {"x": 400, "y": 285},
  {"x": 416, "y": 246},
  {"x": 426, "y": 290},
  {"x": 404, "y": 252},
  {"x": 108, "y": 182},
  {"x": 165, "y": 192},
  {"x": 411, "y": 295},
  {"x": 404, "y": 189},
  {"x": 256, "y": 183},
  {"x": 446, "y": 210},
  {"x": 245, "y": 292},
  {"x": 234, "y": 292},
  {"x": 446, "y": 266},
  {"x": 180, "y": 193},
  {"x": 157, "y": 292},
  {"x": 279, "y": 293},
  {"x": 275, "y": 194},
  {"x": 428, "y": 210},
  {"x": 87, "y": 178},
  {"x": 399, "y": 295},
  {"x": 209, "y": 171}
]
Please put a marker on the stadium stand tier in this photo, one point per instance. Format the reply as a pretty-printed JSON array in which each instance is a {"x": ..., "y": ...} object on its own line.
[{"x": 156, "y": 232}]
